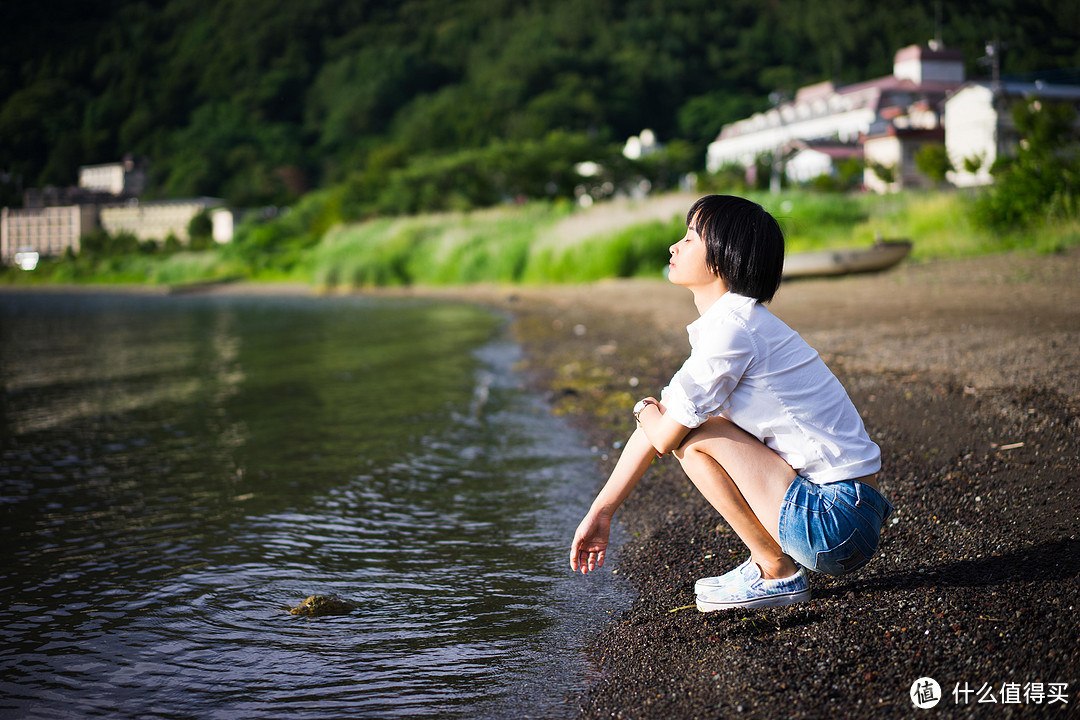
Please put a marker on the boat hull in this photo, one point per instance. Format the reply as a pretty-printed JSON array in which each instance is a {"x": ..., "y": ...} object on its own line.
[{"x": 823, "y": 263}]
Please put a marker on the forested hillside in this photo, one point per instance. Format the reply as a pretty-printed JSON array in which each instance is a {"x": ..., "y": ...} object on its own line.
[{"x": 260, "y": 101}]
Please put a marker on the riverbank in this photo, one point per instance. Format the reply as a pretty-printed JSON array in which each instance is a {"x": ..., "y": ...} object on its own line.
[{"x": 968, "y": 375}]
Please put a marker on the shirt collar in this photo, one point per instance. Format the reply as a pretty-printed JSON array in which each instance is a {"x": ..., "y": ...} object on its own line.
[{"x": 723, "y": 305}]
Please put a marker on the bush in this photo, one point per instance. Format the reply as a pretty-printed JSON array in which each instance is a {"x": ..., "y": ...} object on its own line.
[
  {"x": 933, "y": 162},
  {"x": 100, "y": 244},
  {"x": 390, "y": 184},
  {"x": 200, "y": 227},
  {"x": 1043, "y": 180},
  {"x": 885, "y": 173}
]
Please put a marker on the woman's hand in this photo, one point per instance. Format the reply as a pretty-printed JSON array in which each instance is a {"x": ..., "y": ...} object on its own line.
[{"x": 590, "y": 543}]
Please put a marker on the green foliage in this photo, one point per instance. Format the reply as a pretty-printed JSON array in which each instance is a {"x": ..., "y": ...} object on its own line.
[
  {"x": 433, "y": 250},
  {"x": 278, "y": 246},
  {"x": 885, "y": 173},
  {"x": 730, "y": 178},
  {"x": 1042, "y": 182},
  {"x": 529, "y": 243},
  {"x": 848, "y": 176},
  {"x": 100, "y": 244},
  {"x": 471, "y": 178},
  {"x": 933, "y": 162},
  {"x": 813, "y": 220},
  {"x": 638, "y": 251},
  {"x": 256, "y": 101},
  {"x": 701, "y": 118},
  {"x": 200, "y": 228}
]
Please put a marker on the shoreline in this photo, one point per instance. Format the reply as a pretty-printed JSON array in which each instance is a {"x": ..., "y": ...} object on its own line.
[{"x": 967, "y": 373}]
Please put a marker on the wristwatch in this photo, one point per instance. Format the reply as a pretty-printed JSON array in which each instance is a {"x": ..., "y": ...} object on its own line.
[{"x": 641, "y": 405}]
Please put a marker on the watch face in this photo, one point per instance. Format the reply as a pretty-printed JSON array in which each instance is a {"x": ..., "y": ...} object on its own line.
[{"x": 639, "y": 407}]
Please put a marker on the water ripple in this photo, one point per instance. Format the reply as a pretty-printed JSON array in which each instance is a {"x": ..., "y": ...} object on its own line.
[{"x": 169, "y": 497}]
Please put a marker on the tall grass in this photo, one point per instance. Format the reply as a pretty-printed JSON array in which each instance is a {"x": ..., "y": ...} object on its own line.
[
  {"x": 453, "y": 248},
  {"x": 513, "y": 244},
  {"x": 502, "y": 246},
  {"x": 494, "y": 247}
]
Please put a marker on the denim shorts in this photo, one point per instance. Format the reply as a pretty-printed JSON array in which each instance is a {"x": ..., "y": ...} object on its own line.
[{"x": 833, "y": 528}]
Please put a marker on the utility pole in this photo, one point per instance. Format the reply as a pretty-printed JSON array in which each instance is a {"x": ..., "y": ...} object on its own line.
[
  {"x": 938, "y": 42},
  {"x": 993, "y": 55}
]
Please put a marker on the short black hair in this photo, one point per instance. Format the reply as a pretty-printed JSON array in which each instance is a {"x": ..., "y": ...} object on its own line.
[{"x": 744, "y": 244}]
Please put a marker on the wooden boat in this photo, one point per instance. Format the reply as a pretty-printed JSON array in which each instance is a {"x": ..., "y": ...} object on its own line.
[{"x": 842, "y": 261}]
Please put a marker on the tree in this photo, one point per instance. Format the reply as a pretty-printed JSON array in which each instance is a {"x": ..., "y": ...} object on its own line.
[
  {"x": 973, "y": 163},
  {"x": 885, "y": 173},
  {"x": 201, "y": 231},
  {"x": 1044, "y": 177},
  {"x": 933, "y": 161}
]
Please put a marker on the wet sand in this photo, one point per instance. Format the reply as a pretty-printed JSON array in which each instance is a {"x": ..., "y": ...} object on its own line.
[{"x": 968, "y": 376}]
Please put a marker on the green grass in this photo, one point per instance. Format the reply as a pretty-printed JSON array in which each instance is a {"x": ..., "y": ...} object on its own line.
[
  {"x": 938, "y": 223},
  {"x": 514, "y": 244}
]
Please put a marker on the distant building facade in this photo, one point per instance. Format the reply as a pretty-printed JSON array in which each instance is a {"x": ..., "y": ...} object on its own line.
[
  {"x": 812, "y": 160},
  {"x": 979, "y": 127},
  {"x": 908, "y": 100},
  {"x": 895, "y": 148},
  {"x": 155, "y": 220},
  {"x": 56, "y": 219},
  {"x": 122, "y": 179},
  {"x": 48, "y": 231}
]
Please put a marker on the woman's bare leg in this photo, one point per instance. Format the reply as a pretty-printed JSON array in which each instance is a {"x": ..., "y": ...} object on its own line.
[{"x": 745, "y": 481}]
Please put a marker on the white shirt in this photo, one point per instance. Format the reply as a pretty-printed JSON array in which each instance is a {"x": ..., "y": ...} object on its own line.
[{"x": 749, "y": 367}]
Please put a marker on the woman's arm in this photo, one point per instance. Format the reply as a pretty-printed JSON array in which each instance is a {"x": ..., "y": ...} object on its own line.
[
  {"x": 663, "y": 433},
  {"x": 589, "y": 547}
]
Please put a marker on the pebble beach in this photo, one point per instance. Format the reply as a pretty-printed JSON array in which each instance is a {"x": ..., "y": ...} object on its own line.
[{"x": 967, "y": 373}]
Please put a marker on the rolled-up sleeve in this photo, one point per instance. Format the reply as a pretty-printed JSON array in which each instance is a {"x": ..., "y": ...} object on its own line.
[{"x": 700, "y": 389}]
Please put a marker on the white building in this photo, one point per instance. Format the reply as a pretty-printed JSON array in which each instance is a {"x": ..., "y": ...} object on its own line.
[
  {"x": 980, "y": 130},
  {"x": 639, "y": 146},
  {"x": 811, "y": 160},
  {"x": 156, "y": 220},
  {"x": 48, "y": 231},
  {"x": 895, "y": 148},
  {"x": 224, "y": 224},
  {"x": 57, "y": 219},
  {"x": 909, "y": 99},
  {"x": 123, "y": 178}
]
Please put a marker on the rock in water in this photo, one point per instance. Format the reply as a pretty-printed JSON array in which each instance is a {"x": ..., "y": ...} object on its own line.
[{"x": 317, "y": 605}]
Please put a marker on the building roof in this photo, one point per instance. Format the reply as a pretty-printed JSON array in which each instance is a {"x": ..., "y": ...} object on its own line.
[
  {"x": 837, "y": 151},
  {"x": 889, "y": 130},
  {"x": 823, "y": 99},
  {"x": 1027, "y": 89},
  {"x": 923, "y": 52}
]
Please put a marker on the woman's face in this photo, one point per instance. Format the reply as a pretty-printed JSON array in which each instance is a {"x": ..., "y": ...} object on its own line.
[{"x": 687, "y": 266}]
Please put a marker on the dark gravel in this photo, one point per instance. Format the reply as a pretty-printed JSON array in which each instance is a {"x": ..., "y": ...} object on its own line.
[{"x": 966, "y": 374}]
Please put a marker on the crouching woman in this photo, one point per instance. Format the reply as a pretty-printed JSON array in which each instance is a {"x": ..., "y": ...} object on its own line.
[{"x": 760, "y": 425}]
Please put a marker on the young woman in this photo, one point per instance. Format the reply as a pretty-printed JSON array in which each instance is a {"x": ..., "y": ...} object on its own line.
[{"x": 758, "y": 422}]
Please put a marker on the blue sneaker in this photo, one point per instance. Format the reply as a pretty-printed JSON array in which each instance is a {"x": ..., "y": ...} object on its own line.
[
  {"x": 705, "y": 585},
  {"x": 753, "y": 591}
]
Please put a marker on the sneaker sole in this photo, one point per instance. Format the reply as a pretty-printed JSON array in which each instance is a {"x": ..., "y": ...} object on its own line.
[{"x": 770, "y": 601}]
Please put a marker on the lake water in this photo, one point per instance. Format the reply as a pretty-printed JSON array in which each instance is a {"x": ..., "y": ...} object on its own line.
[{"x": 176, "y": 472}]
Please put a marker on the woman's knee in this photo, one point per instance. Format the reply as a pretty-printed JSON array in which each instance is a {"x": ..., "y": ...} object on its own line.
[{"x": 707, "y": 440}]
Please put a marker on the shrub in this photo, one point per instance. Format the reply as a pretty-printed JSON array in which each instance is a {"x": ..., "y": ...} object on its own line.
[
  {"x": 933, "y": 162},
  {"x": 200, "y": 227},
  {"x": 1043, "y": 180}
]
